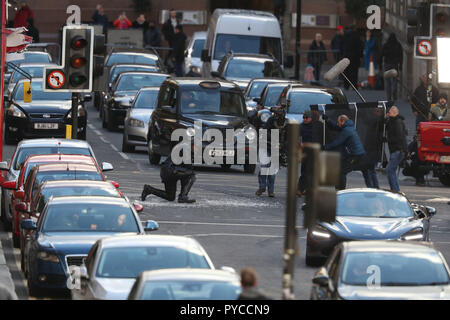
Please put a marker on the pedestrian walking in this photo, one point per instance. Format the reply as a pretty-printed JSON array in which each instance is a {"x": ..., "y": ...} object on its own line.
[
  {"x": 348, "y": 143},
  {"x": 306, "y": 135},
  {"x": 316, "y": 59},
  {"x": 152, "y": 35},
  {"x": 249, "y": 284},
  {"x": 419, "y": 101},
  {"x": 179, "y": 46},
  {"x": 100, "y": 18},
  {"x": 23, "y": 14},
  {"x": 440, "y": 112},
  {"x": 337, "y": 44},
  {"x": 391, "y": 58},
  {"x": 352, "y": 49},
  {"x": 168, "y": 28},
  {"x": 122, "y": 22},
  {"x": 32, "y": 30},
  {"x": 396, "y": 138},
  {"x": 170, "y": 174},
  {"x": 140, "y": 23},
  {"x": 370, "y": 50}
]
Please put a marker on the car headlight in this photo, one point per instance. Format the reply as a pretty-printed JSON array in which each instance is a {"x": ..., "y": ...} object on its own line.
[
  {"x": 15, "y": 112},
  {"x": 46, "y": 256},
  {"x": 414, "y": 234},
  {"x": 265, "y": 116},
  {"x": 136, "y": 123},
  {"x": 320, "y": 232},
  {"x": 190, "y": 132}
]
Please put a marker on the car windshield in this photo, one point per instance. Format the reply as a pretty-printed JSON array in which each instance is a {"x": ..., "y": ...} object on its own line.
[
  {"x": 124, "y": 58},
  {"x": 256, "y": 89},
  {"x": 39, "y": 94},
  {"x": 302, "y": 100},
  {"x": 69, "y": 175},
  {"x": 212, "y": 101},
  {"x": 64, "y": 191},
  {"x": 23, "y": 153},
  {"x": 130, "y": 262},
  {"x": 373, "y": 204},
  {"x": 190, "y": 290},
  {"x": 146, "y": 100},
  {"x": 395, "y": 268},
  {"x": 80, "y": 216},
  {"x": 119, "y": 69},
  {"x": 248, "y": 69},
  {"x": 33, "y": 58},
  {"x": 199, "y": 44},
  {"x": 35, "y": 72},
  {"x": 272, "y": 96},
  {"x": 246, "y": 44},
  {"x": 134, "y": 82}
]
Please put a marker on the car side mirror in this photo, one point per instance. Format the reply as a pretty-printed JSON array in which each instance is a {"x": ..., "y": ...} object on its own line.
[
  {"x": 4, "y": 166},
  {"x": 28, "y": 224},
  {"x": 321, "y": 278},
  {"x": 431, "y": 211},
  {"x": 106, "y": 166},
  {"x": 138, "y": 207},
  {"x": 151, "y": 225},
  {"x": 205, "y": 55},
  {"x": 21, "y": 207},
  {"x": 9, "y": 185}
]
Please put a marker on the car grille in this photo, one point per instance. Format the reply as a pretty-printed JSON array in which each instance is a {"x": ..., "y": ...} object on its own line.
[
  {"x": 48, "y": 116},
  {"x": 75, "y": 260}
]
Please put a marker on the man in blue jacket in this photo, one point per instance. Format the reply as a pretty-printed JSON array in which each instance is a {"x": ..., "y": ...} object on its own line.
[{"x": 349, "y": 144}]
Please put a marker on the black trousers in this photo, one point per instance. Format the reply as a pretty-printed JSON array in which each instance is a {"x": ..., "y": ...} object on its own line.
[
  {"x": 301, "y": 186},
  {"x": 352, "y": 74},
  {"x": 170, "y": 192},
  {"x": 349, "y": 163}
]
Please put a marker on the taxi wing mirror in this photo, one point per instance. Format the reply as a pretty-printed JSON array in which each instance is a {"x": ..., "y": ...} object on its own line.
[
  {"x": 27, "y": 92},
  {"x": 151, "y": 225}
]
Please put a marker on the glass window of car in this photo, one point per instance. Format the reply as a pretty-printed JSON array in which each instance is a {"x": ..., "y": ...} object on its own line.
[
  {"x": 300, "y": 101},
  {"x": 39, "y": 94},
  {"x": 256, "y": 89},
  {"x": 197, "y": 48},
  {"x": 23, "y": 153},
  {"x": 189, "y": 290},
  {"x": 33, "y": 58},
  {"x": 396, "y": 268},
  {"x": 118, "y": 69},
  {"x": 130, "y": 262},
  {"x": 272, "y": 96},
  {"x": 35, "y": 72},
  {"x": 89, "y": 217},
  {"x": 124, "y": 58},
  {"x": 246, "y": 44},
  {"x": 134, "y": 82},
  {"x": 373, "y": 204},
  {"x": 212, "y": 101},
  {"x": 79, "y": 174},
  {"x": 89, "y": 262},
  {"x": 65, "y": 191},
  {"x": 247, "y": 69},
  {"x": 146, "y": 100}
]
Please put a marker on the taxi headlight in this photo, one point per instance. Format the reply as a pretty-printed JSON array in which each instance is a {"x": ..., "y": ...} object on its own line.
[
  {"x": 46, "y": 256},
  {"x": 14, "y": 112},
  {"x": 136, "y": 123}
]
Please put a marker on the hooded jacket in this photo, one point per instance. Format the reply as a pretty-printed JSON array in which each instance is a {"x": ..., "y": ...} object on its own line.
[
  {"x": 396, "y": 134},
  {"x": 392, "y": 52},
  {"x": 348, "y": 139}
]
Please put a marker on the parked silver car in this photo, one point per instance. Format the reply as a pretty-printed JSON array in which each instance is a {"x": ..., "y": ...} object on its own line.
[{"x": 193, "y": 62}]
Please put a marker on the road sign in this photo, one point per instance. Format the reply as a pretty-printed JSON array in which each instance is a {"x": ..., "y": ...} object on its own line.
[
  {"x": 425, "y": 48},
  {"x": 56, "y": 79}
]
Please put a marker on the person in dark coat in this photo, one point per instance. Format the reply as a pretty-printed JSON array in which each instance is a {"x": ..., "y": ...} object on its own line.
[
  {"x": 100, "y": 18},
  {"x": 391, "y": 58},
  {"x": 396, "y": 138},
  {"x": 352, "y": 49},
  {"x": 349, "y": 144},
  {"x": 140, "y": 23},
  {"x": 249, "y": 284},
  {"x": 22, "y": 15},
  {"x": 179, "y": 46},
  {"x": 168, "y": 28},
  {"x": 32, "y": 30},
  {"x": 419, "y": 102},
  {"x": 152, "y": 35},
  {"x": 337, "y": 43},
  {"x": 316, "y": 59},
  {"x": 306, "y": 135}
]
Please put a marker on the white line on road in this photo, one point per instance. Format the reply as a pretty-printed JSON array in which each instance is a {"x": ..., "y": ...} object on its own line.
[
  {"x": 98, "y": 133},
  {"x": 114, "y": 147},
  {"x": 123, "y": 155},
  {"x": 237, "y": 235},
  {"x": 225, "y": 224},
  {"x": 104, "y": 140}
]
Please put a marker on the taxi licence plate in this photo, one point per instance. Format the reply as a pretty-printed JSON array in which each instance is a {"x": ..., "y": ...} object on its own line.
[
  {"x": 46, "y": 126},
  {"x": 445, "y": 159},
  {"x": 221, "y": 153}
]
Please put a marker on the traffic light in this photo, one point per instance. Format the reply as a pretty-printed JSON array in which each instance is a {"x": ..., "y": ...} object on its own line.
[
  {"x": 418, "y": 21},
  {"x": 440, "y": 15},
  {"x": 323, "y": 174},
  {"x": 76, "y": 72}
]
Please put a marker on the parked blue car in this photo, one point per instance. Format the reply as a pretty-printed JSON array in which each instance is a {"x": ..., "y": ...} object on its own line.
[{"x": 66, "y": 231}]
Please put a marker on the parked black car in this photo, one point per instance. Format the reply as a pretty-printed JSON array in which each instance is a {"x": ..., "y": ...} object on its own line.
[{"x": 216, "y": 104}]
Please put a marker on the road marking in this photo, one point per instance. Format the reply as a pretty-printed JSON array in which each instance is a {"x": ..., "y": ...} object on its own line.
[
  {"x": 114, "y": 147},
  {"x": 226, "y": 224},
  {"x": 91, "y": 126},
  {"x": 123, "y": 155},
  {"x": 438, "y": 200},
  {"x": 237, "y": 235},
  {"x": 104, "y": 140},
  {"x": 232, "y": 202},
  {"x": 98, "y": 132}
]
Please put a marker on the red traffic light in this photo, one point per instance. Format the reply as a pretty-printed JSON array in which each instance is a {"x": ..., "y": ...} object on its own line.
[
  {"x": 77, "y": 61},
  {"x": 78, "y": 43}
]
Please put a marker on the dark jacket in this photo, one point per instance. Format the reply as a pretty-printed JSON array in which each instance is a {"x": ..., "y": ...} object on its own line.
[
  {"x": 337, "y": 44},
  {"x": 170, "y": 171},
  {"x": 396, "y": 134},
  {"x": 421, "y": 102},
  {"x": 348, "y": 139},
  {"x": 315, "y": 58},
  {"x": 252, "y": 293},
  {"x": 168, "y": 31},
  {"x": 179, "y": 46},
  {"x": 392, "y": 53},
  {"x": 33, "y": 32},
  {"x": 352, "y": 47},
  {"x": 152, "y": 37},
  {"x": 306, "y": 132},
  {"x": 143, "y": 26},
  {"x": 101, "y": 20}
]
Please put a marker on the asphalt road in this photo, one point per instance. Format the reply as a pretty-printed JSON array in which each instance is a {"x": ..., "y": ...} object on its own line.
[{"x": 236, "y": 227}]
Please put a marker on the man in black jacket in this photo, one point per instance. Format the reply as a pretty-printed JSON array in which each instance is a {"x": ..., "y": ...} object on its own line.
[
  {"x": 179, "y": 46},
  {"x": 99, "y": 17},
  {"x": 316, "y": 59},
  {"x": 170, "y": 174},
  {"x": 152, "y": 35},
  {"x": 306, "y": 135},
  {"x": 419, "y": 102},
  {"x": 168, "y": 28},
  {"x": 392, "y": 52},
  {"x": 352, "y": 49},
  {"x": 396, "y": 138}
]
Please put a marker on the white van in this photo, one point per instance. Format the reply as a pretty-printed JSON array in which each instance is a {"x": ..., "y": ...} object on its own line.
[{"x": 240, "y": 31}]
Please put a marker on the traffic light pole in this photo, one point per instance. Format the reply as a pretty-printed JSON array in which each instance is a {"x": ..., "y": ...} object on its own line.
[
  {"x": 297, "y": 39},
  {"x": 75, "y": 100},
  {"x": 291, "y": 238}
]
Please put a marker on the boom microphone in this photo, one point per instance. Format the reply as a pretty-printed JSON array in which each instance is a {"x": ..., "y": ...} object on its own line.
[
  {"x": 392, "y": 73},
  {"x": 337, "y": 69}
]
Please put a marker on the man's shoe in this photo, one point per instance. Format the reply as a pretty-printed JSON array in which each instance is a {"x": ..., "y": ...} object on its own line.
[
  {"x": 260, "y": 191},
  {"x": 145, "y": 192},
  {"x": 185, "y": 200},
  {"x": 271, "y": 194}
]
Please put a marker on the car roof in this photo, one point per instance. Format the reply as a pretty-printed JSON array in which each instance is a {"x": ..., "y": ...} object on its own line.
[
  {"x": 388, "y": 246},
  {"x": 60, "y": 157},
  {"x": 196, "y": 81},
  {"x": 53, "y": 142},
  {"x": 138, "y": 52},
  {"x": 89, "y": 199},
  {"x": 66, "y": 166},
  {"x": 130, "y": 65},
  {"x": 77, "y": 183},
  {"x": 149, "y": 240},
  {"x": 149, "y": 89},
  {"x": 199, "y": 35},
  {"x": 368, "y": 190},
  {"x": 242, "y": 12},
  {"x": 190, "y": 274},
  {"x": 311, "y": 88},
  {"x": 36, "y": 64}
]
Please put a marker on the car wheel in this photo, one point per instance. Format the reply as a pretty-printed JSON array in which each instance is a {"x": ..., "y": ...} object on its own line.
[
  {"x": 125, "y": 146},
  {"x": 444, "y": 178},
  {"x": 250, "y": 168},
  {"x": 225, "y": 167},
  {"x": 9, "y": 139},
  {"x": 154, "y": 158}
]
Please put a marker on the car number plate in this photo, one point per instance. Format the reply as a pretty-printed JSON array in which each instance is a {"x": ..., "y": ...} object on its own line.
[
  {"x": 46, "y": 126},
  {"x": 445, "y": 159},
  {"x": 221, "y": 153}
]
